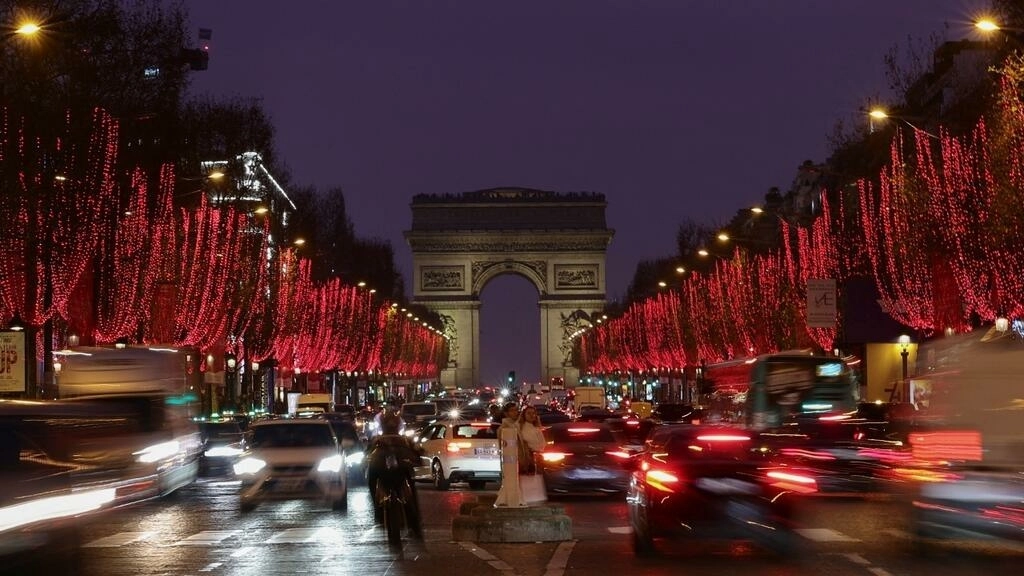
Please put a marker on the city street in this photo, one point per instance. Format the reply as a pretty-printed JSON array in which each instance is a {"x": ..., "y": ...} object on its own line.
[{"x": 201, "y": 531}]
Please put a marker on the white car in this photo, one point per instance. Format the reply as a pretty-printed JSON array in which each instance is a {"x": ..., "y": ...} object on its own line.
[
  {"x": 459, "y": 451},
  {"x": 291, "y": 459}
]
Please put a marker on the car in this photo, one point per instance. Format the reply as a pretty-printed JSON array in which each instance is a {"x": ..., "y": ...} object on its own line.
[
  {"x": 549, "y": 415},
  {"x": 291, "y": 459},
  {"x": 414, "y": 413},
  {"x": 582, "y": 457},
  {"x": 459, "y": 451},
  {"x": 713, "y": 483},
  {"x": 220, "y": 446},
  {"x": 670, "y": 413},
  {"x": 351, "y": 444}
]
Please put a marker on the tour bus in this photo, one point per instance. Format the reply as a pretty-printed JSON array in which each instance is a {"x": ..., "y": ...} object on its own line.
[{"x": 771, "y": 389}]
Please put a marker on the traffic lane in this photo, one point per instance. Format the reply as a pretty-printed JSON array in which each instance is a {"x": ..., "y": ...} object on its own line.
[{"x": 201, "y": 531}]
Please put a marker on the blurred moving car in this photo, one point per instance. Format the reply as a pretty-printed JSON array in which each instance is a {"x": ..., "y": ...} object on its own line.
[
  {"x": 669, "y": 413},
  {"x": 417, "y": 413},
  {"x": 48, "y": 497},
  {"x": 966, "y": 477},
  {"x": 220, "y": 446},
  {"x": 459, "y": 451},
  {"x": 291, "y": 459},
  {"x": 713, "y": 483},
  {"x": 582, "y": 457},
  {"x": 549, "y": 415},
  {"x": 351, "y": 444}
]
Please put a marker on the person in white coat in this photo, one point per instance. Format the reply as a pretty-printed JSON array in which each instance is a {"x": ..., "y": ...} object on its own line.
[
  {"x": 510, "y": 493},
  {"x": 531, "y": 485}
]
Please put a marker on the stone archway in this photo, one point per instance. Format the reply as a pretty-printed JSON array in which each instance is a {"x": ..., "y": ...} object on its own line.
[{"x": 558, "y": 242}]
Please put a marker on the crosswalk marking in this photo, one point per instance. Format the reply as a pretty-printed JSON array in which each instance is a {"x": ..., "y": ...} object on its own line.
[
  {"x": 119, "y": 539},
  {"x": 207, "y": 538}
]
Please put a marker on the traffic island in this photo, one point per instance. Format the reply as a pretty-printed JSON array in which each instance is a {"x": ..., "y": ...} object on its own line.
[{"x": 480, "y": 521}]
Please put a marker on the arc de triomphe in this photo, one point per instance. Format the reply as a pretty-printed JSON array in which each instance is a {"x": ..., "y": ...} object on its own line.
[{"x": 558, "y": 242}]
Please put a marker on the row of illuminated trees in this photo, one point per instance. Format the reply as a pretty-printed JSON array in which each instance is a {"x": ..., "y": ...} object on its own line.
[
  {"x": 93, "y": 249},
  {"x": 940, "y": 230}
]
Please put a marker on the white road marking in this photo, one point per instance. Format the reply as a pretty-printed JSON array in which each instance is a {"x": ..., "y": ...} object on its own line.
[
  {"x": 119, "y": 539},
  {"x": 621, "y": 530},
  {"x": 857, "y": 559},
  {"x": 210, "y": 567},
  {"x": 486, "y": 556},
  {"x": 294, "y": 536},
  {"x": 241, "y": 552},
  {"x": 825, "y": 535},
  {"x": 207, "y": 538},
  {"x": 560, "y": 559}
]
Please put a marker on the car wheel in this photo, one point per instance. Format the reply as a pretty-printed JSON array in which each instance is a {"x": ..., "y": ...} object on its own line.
[
  {"x": 440, "y": 482},
  {"x": 643, "y": 542}
]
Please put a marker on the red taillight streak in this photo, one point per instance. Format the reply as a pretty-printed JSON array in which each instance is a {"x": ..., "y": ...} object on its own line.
[
  {"x": 583, "y": 430},
  {"x": 456, "y": 446},
  {"x": 791, "y": 477},
  {"x": 618, "y": 454},
  {"x": 553, "y": 456},
  {"x": 723, "y": 438}
]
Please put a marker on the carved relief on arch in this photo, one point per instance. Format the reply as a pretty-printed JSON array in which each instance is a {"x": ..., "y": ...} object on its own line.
[{"x": 535, "y": 270}]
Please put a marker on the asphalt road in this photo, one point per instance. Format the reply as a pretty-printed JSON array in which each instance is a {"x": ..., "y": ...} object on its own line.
[{"x": 200, "y": 531}]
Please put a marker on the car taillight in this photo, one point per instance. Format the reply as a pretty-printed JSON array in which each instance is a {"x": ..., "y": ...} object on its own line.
[
  {"x": 723, "y": 438},
  {"x": 553, "y": 456},
  {"x": 661, "y": 480},
  {"x": 456, "y": 446},
  {"x": 618, "y": 454},
  {"x": 793, "y": 481}
]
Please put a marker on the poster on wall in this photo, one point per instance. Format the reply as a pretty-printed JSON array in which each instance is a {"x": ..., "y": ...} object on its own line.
[{"x": 13, "y": 366}]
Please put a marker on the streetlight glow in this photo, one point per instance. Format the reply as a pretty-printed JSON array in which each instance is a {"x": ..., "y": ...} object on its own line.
[
  {"x": 987, "y": 25},
  {"x": 28, "y": 29},
  {"x": 878, "y": 114},
  {"x": 722, "y": 236},
  {"x": 703, "y": 252}
]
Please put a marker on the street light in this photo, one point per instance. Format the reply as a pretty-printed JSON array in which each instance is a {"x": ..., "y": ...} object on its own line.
[
  {"x": 881, "y": 114},
  {"x": 16, "y": 324}
]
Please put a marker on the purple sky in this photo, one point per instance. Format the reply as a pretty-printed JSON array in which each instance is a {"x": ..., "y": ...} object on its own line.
[{"x": 674, "y": 109}]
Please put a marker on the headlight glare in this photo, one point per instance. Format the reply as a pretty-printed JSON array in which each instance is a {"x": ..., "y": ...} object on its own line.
[
  {"x": 249, "y": 466},
  {"x": 331, "y": 464}
]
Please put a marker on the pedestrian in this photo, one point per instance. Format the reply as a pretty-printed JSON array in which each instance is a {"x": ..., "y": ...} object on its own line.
[
  {"x": 531, "y": 441},
  {"x": 510, "y": 494}
]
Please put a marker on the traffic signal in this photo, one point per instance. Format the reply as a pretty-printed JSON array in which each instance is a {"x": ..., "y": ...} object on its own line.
[{"x": 511, "y": 376}]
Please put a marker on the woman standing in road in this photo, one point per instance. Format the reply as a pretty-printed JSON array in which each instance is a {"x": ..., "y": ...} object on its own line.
[
  {"x": 510, "y": 493},
  {"x": 531, "y": 482}
]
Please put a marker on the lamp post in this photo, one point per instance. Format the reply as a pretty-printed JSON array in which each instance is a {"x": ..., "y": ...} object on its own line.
[
  {"x": 230, "y": 383},
  {"x": 904, "y": 341}
]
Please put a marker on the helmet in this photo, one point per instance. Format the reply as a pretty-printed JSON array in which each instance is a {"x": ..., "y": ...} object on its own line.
[{"x": 390, "y": 423}]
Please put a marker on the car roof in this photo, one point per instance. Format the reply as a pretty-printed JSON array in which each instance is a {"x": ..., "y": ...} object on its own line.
[{"x": 290, "y": 422}]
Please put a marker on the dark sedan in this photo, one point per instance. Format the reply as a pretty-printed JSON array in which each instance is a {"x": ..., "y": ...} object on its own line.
[
  {"x": 220, "y": 440},
  {"x": 583, "y": 457},
  {"x": 713, "y": 483}
]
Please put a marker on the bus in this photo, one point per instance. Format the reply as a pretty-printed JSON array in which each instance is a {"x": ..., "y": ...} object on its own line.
[{"x": 769, "y": 390}]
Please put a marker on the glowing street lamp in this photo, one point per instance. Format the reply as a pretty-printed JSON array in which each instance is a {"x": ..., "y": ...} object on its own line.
[
  {"x": 28, "y": 29},
  {"x": 904, "y": 342}
]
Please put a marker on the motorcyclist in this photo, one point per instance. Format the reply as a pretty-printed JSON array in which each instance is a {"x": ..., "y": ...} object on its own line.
[{"x": 407, "y": 456}]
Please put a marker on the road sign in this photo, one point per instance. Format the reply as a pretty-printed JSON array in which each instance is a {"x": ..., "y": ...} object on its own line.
[{"x": 821, "y": 302}]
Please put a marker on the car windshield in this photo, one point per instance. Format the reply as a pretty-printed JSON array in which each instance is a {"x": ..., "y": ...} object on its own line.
[
  {"x": 672, "y": 411},
  {"x": 220, "y": 430},
  {"x": 292, "y": 436},
  {"x": 419, "y": 409},
  {"x": 470, "y": 431},
  {"x": 582, "y": 433}
]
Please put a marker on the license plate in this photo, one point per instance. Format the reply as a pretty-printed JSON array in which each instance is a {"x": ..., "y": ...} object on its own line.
[
  {"x": 485, "y": 451},
  {"x": 726, "y": 486},
  {"x": 590, "y": 474},
  {"x": 290, "y": 484}
]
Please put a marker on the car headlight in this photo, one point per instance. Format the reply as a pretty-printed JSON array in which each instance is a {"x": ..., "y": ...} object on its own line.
[
  {"x": 354, "y": 459},
  {"x": 222, "y": 451},
  {"x": 249, "y": 466},
  {"x": 158, "y": 452},
  {"x": 331, "y": 464}
]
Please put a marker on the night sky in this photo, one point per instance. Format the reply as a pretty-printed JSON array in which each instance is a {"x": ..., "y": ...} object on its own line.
[{"x": 675, "y": 110}]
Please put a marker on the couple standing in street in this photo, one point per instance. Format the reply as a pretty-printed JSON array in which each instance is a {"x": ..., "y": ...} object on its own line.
[{"x": 519, "y": 437}]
